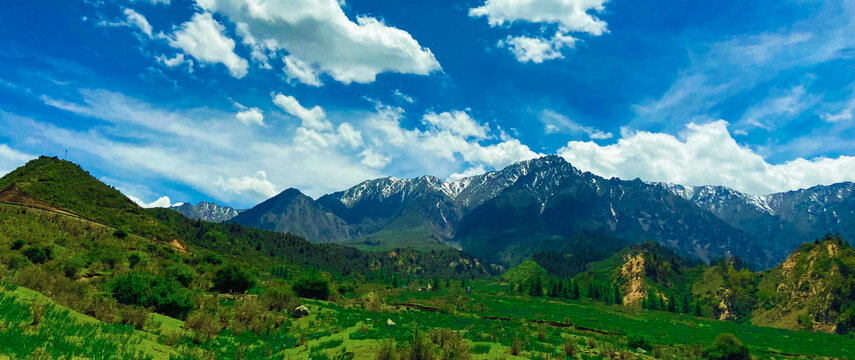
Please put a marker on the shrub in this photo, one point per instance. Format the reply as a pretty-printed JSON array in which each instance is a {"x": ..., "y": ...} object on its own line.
[
  {"x": 313, "y": 287},
  {"x": 639, "y": 341},
  {"x": 570, "y": 348},
  {"x": 38, "y": 254},
  {"x": 120, "y": 233},
  {"x": 387, "y": 351},
  {"x": 71, "y": 267},
  {"x": 233, "y": 279},
  {"x": 727, "y": 347},
  {"x": 212, "y": 259},
  {"x": 130, "y": 289},
  {"x": 167, "y": 296},
  {"x": 277, "y": 299},
  {"x": 204, "y": 326},
  {"x": 134, "y": 258},
  {"x": 18, "y": 244},
  {"x": 182, "y": 273},
  {"x": 38, "y": 310},
  {"x": 134, "y": 316}
]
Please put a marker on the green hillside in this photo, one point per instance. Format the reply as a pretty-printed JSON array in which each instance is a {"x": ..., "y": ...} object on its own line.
[{"x": 51, "y": 183}]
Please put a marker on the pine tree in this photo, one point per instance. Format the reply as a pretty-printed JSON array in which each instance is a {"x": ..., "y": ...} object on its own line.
[
  {"x": 574, "y": 289},
  {"x": 436, "y": 284},
  {"x": 672, "y": 303},
  {"x": 618, "y": 295},
  {"x": 687, "y": 304},
  {"x": 395, "y": 283},
  {"x": 699, "y": 311},
  {"x": 536, "y": 288}
]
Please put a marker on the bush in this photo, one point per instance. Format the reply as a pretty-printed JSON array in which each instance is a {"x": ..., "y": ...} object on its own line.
[
  {"x": 167, "y": 296},
  {"x": 212, "y": 259},
  {"x": 727, "y": 347},
  {"x": 182, "y": 273},
  {"x": 120, "y": 233},
  {"x": 38, "y": 254},
  {"x": 233, "y": 279},
  {"x": 313, "y": 287},
  {"x": 18, "y": 244},
  {"x": 639, "y": 341},
  {"x": 71, "y": 267},
  {"x": 277, "y": 299},
  {"x": 204, "y": 326},
  {"x": 134, "y": 316},
  {"x": 134, "y": 259}
]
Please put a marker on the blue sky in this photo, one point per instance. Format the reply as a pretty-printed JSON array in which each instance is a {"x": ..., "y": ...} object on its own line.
[{"x": 235, "y": 100}]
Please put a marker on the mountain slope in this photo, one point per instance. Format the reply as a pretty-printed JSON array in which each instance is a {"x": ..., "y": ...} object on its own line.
[
  {"x": 813, "y": 289},
  {"x": 553, "y": 200},
  {"x": 206, "y": 211},
  {"x": 293, "y": 212},
  {"x": 59, "y": 185}
]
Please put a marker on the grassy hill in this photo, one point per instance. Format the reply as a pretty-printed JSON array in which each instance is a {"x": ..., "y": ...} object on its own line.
[{"x": 59, "y": 185}]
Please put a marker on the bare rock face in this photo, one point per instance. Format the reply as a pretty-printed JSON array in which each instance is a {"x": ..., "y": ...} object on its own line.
[
  {"x": 633, "y": 271},
  {"x": 300, "y": 311}
]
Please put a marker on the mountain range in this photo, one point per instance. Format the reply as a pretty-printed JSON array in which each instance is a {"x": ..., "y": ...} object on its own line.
[
  {"x": 206, "y": 211},
  {"x": 505, "y": 216}
]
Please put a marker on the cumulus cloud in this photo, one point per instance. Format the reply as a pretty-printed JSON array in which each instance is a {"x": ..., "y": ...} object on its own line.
[
  {"x": 11, "y": 159},
  {"x": 704, "y": 154},
  {"x": 174, "y": 61},
  {"x": 457, "y": 122},
  {"x": 300, "y": 71},
  {"x": 314, "y": 118},
  {"x": 162, "y": 202},
  {"x": 203, "y": 149},
  {"x": 449, "y": 135},
  {"x": 555, "y": 122},
  {"x": 320, "y": 38},
  {"x": 251, "y": 116},
  {"x": 472, "y": 171},
  {"x": 256, "y": 185},
  {"x": 537, "y": 49},
  {"x": 202, "y": 38},
  {"x": 573, "y": 15}
]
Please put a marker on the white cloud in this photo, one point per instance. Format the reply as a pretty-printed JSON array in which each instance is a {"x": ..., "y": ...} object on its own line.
[
  {"x": 555, "y": 122},
  {"x": 570, "y": 15},
  {"x": 162, "y": 202},
  {"x": 373, "y": 159},
  {"x": 449, "y": 136},
  {"x": 704, "y": 154},
  {"x": 472, "y": 171},
  {"x": 132, "y": 19},
  {"x": 314, "y": 118},
  {"x": 251, "y": 116},
  {"x": 845, "y": 112},
  {"x": 321, "y": 36},
  {"x": 11, "y": 159},
  {"x": 136, "y": 20},
  {"x": 778, "y": 108},
  {"x": 257, "y": 185},
  {"x": 202, "y": 38},
  {"x": 174, "y": 61},
  {"x": 154, "y": 2},
  {"x": 301, "y": 71},
  {"x": 458, "y": 123},
  {"x": 538, "y": 49},
  {"x": 403, "y": 97},
  {"x": 202, "y": 148}
]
